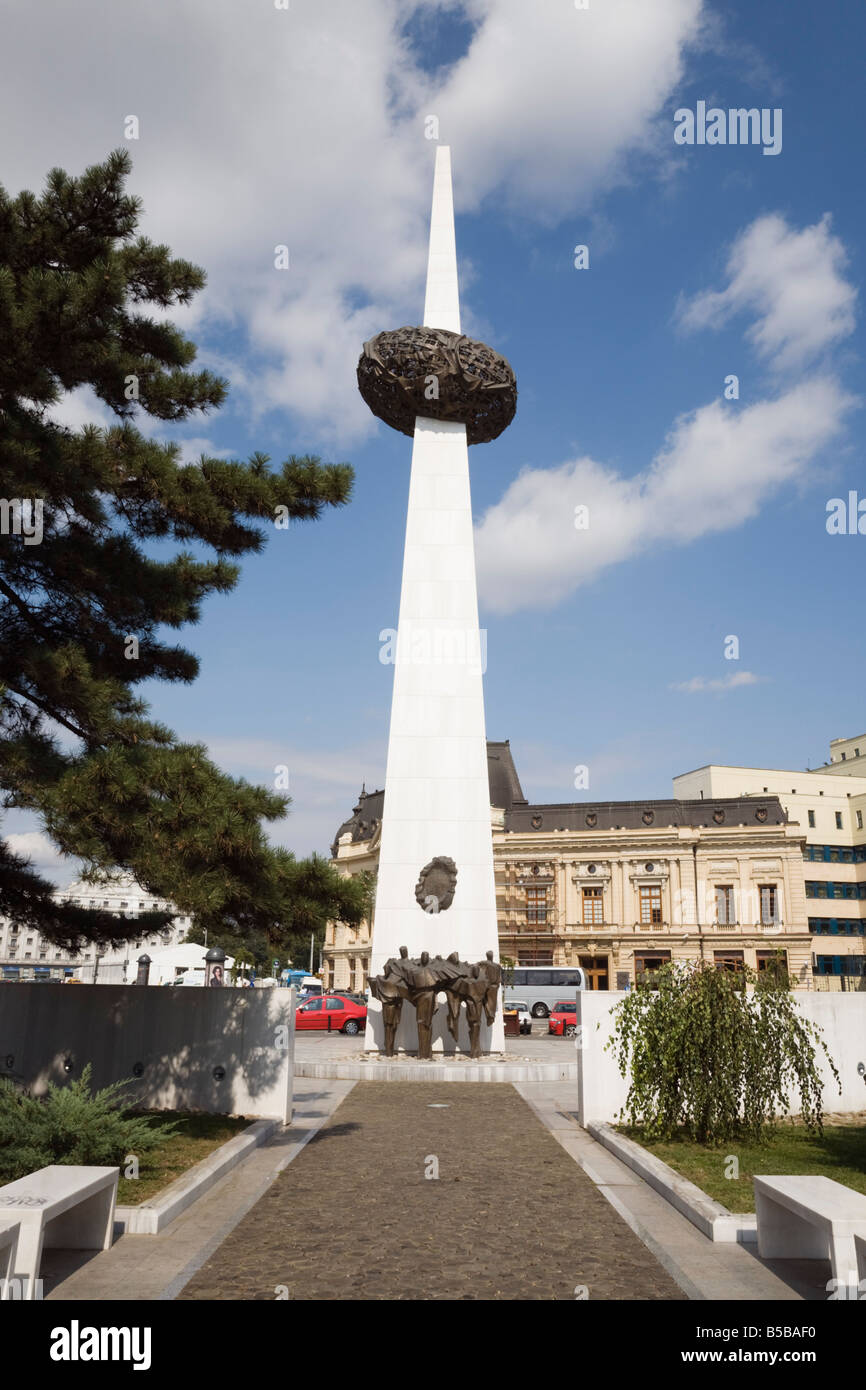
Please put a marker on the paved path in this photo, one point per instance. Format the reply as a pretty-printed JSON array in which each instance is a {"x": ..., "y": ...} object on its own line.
[
  {"x": 703, "y": 1268},
  {"x": 511, "y": 1215},
  {"x": 156, "y": 1267}
]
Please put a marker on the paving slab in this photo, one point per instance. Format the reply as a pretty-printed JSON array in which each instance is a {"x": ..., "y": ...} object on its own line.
[
  {"x": 157, "y": 1266},
  {"x": 509, "y": 1216},
  {"x": 702, "y": 1269}
]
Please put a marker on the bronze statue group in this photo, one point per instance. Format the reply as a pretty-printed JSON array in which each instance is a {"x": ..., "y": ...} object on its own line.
[{"x": 421, "y": 980}]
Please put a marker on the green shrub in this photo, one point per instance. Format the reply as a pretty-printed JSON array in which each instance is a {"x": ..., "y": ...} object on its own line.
[
  {"x": 706, "y": 1053},
  {"x": 70, "y": 1125}
]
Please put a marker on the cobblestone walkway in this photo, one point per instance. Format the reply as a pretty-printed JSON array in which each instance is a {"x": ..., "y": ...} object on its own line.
[{"x": 510, "y": 1216}]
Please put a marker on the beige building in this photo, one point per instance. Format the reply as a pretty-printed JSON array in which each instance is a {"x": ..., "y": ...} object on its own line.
[
  {"x": 617, "y": 887},
  {"x": 828, "y": 805}
]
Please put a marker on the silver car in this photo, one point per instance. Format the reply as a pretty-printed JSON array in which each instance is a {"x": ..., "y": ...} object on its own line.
[{"x": 523, "y": 1015}]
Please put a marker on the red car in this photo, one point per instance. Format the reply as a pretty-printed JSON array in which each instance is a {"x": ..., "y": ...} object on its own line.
[
  {"x": 334, "y": 1012},
  {"x": 563, "y": 1019}
]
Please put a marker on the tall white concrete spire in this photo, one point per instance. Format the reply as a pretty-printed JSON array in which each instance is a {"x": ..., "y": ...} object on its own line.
[
  {"x": 442, "y": 303},
  {"x": 437, "y": 798}
]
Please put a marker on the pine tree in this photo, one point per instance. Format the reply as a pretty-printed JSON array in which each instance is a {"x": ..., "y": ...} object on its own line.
[{"x": 77, "y": 745}]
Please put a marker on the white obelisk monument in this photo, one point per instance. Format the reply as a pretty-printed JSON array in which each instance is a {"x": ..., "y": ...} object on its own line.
[{"x": 437, "y": 798}]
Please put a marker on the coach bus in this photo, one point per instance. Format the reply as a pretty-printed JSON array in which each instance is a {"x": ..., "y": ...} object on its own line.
[{"x": 542, "y": 986}]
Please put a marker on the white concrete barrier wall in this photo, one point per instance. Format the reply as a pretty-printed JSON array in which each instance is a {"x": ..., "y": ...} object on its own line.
[
  {"x": 842, "y": 1017},
  {"x": 601, "y": 1091},
  {"x": 181, "y": 1038}
]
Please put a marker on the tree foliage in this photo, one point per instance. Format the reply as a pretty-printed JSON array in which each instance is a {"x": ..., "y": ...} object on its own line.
[
  {"x": 716, "y": 1054},
  {"x": 83, "y": 302}
]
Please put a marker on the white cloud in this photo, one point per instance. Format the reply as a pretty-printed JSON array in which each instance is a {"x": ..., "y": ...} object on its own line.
[
  {"x": 192, "y": 449},
  {"x": 715, "y": 470},
  {"x": 36, "y": 847},
  {"x": 304, "y": 127},
  {"x": 81, "y": 407},
  {"x": 701, "y": 684},
  {"x": 719, "y": 463},
  {"x": 605, "y": 74},
  {"x": 792, "y": 282}
]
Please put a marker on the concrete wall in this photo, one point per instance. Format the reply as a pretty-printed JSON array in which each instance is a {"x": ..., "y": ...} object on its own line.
[
  {"x": 601, "y": 1091},
  {"x": 179, "y": 1036},
  {"x": 842, "y": 1017},
  {"x": 843, "y": 1020}
]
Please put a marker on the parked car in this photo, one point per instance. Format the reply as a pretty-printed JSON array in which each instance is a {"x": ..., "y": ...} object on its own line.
[
  {"x": 337, "y": 1012},
  {"x": 563, "y": 1019},
  {"x": 523, "y": 1014}
]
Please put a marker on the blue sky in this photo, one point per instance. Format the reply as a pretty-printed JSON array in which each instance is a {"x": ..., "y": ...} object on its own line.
[{"x": 707, "y": 517}]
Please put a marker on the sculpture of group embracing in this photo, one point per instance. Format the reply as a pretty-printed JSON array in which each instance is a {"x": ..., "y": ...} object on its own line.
[{"x": 421, "y": 980}]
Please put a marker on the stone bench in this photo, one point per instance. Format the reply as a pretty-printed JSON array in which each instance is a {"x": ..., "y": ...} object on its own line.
[
  {"x": 66, "y": 1207},
  {"x": 811, "y": 1218},
  {"x": 860, "y": 1249},
  {"x": 8, "y": 1251}
]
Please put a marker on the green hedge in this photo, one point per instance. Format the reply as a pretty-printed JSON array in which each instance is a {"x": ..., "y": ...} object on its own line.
[{"x": 70, "y": 1124}]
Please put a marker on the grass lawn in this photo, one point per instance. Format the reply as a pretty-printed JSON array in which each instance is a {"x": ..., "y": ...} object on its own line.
[
  {"x": 197, "y": 1136},
  {"x": 841, "y": 1155}
]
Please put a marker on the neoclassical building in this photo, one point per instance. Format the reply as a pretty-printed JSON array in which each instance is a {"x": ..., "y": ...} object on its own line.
[
  {"x": 618, "y": 887},
  {"x": 26, "y": 955}
]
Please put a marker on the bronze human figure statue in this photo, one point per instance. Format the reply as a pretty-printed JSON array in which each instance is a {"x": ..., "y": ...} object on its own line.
[
  {"x": 491, "y": 970},
  {"x": 396, "y": 968},
  {"x": 390, "y": 988},
  {"x": 391, "y": 994},
  {"x": 472, "y": 989},
  {"x": 455, "y": 999},
  {"x": 423, "y": 988}
]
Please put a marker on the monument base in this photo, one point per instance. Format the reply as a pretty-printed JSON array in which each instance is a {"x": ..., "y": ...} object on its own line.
[{"x": 501, "y": 1067}]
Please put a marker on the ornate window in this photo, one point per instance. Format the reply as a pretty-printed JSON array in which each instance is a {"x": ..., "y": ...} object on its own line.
[
  {"x": 593, "y": 906},
  {"x": 729, "y": 960},
  {"x": 542, "y": 956},
  {"x": 647, "y": 962},
  {"x": 776, "y": 961},
  {"x": 536, "y": 905},
  {"x": 650, "y": 904},
  {"x": 769, "y": 903}
]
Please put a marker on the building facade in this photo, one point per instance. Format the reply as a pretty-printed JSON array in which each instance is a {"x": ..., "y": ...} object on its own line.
[
  {"x": 26, "y": 955},
  {"x": 617, "y": 887},
  {"x": 828, "y": 805}
]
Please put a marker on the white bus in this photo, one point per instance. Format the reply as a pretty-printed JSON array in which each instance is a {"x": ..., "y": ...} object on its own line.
[{"x": 542, "y": 986}]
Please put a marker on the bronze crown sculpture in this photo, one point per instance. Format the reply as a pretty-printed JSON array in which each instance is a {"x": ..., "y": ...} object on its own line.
[{"x": 406, "y": 372}]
